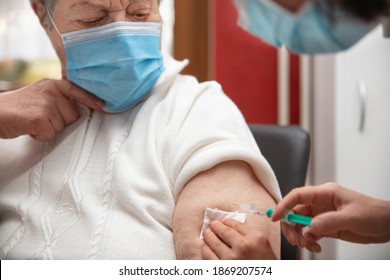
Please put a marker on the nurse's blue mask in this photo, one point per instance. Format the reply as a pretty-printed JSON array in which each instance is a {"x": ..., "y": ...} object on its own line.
[
  {"x": 119, "y": 62},
  {"x": 316, "y": 28}
]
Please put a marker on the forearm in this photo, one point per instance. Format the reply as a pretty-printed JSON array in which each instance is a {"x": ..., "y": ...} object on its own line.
[
  {"x": 221, "y": 187},
  {"x": 381, "y": 219},
  {"x": 338, "y": 213},
  {"x": 367, "y": 218}
]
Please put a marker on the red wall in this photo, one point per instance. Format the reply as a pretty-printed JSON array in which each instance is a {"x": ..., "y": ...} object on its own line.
[
  {"x": 247, "y": 67},
  {"x": 294, "y": 89}
]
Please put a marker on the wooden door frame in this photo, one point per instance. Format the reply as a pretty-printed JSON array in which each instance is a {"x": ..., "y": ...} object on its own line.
[{"x": 191, "y": 36}]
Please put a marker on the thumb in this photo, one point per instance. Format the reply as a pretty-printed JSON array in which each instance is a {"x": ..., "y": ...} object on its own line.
[{"x": 329, "y": 223}]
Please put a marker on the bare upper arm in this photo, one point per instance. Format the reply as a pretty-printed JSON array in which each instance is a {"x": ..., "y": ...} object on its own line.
[{"x": 221, "y": 187}]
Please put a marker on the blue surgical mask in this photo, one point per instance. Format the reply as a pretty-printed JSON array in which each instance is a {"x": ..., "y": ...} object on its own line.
[
  {"x": 316, "y": 28},
  {"x": 119, "y": 62}
]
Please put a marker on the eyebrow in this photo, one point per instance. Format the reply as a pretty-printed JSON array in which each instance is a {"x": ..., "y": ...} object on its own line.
[
  {"x": 86, "y": 3},
  {"x": 95, "y": 5}
]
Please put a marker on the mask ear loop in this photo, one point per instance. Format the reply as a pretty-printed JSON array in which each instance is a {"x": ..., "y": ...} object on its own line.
[
  {"x": 58, "y": 31},
  {"x": 52, "y": 22}
]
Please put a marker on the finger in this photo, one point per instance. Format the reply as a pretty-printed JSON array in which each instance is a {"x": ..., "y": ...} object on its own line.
[
  {"x": 74, "y": 92},
  {"x": 303, "y": 209},
  {"x": 43, "y": 132},
  {"x": 339, "y": 225},
  {"x": 291, "y": 234},
  {"x": 68, "y": 109},
  {"x": 304, "y": 195},
  {"x": 330, "y": 223},
  {"x": 259, "y": 247},
  {"x": 219, "y": 248},
  {"x": 345, "y": 235},
  {"x": 243, "y": 229},
  {"x": 311, "y": 241},
  {"x": 208, "y": 254},
  {"x": 312, "y": 245},
  {"x": 56, "y": 119},
  {"x": 44, "y": 109},
  {"x": 301, "y": 239},
  {"x": 310, "y": 235},
  {"x": 227, "y": 234}
]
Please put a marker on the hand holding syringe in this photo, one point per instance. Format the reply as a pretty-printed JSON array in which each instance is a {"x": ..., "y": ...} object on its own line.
[{"x": 288, "y": 218}]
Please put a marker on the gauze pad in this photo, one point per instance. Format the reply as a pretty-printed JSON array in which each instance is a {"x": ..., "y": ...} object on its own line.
[{"x": 215, "y": 214}]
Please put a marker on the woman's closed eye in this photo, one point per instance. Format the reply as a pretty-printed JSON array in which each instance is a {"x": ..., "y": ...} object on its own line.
[
  {"x": 91, "y": 21},
  {"x": 140, "y": 15}
]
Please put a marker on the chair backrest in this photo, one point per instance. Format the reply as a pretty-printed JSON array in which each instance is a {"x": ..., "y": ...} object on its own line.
[{"x": 287, "y": 149}]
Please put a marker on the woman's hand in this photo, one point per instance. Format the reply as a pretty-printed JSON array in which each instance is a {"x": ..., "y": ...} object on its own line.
[
  {"x": 337, "y": 213},
  {"x": 233, "y": 240},
  {"x": 42, "y": 109}
]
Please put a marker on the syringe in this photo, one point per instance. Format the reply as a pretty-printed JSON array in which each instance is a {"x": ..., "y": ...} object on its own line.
[{"x": 288, "y": 218}]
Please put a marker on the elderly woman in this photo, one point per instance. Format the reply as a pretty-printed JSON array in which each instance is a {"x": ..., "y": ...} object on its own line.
[{"x": 132, "y": 181}]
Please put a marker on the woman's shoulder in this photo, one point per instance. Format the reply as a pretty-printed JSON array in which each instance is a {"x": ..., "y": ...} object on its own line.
[
  {"x": 191, "y": 83},
  {"x": 172, "y": 73}
]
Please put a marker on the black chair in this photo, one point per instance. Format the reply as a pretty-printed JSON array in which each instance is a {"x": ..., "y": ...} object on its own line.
[{"x": 287, "y": 150}]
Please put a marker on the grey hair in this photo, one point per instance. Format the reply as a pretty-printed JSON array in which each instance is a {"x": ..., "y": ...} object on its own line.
[{"x": 49, "y": 5}]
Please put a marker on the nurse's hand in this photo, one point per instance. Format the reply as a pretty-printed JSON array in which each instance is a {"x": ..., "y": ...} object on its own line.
[
  {"x": 42, "y": 109},
  {"x": 233, "y": 240},
  {"x": 337, "y": 213}
]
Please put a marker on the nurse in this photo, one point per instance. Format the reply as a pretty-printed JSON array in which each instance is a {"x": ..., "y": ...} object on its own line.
[{"x": 311, "y": 27}]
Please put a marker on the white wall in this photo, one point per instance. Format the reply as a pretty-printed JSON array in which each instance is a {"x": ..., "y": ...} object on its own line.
[
  {"x": 339, "y": 151},
  {"x": 363, "y": 156},
  {"x": 21, "y": 36},
  {"x": 318, "y": 117},
  {"x": 167, "y": 9}
]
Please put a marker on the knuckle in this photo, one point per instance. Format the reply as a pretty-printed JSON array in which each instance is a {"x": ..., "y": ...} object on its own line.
[
  {"x": 295, "y": 191},
  {"x": 294, "y": 196},
  {"x": 244, "y": 245},
  {"x": 72, "y": 89},
  {"x": 217, "y": 245},
  {"x": 44, "y": 135},
  {"x": 65, "y": 88},
  {"x": 221, "y": 233},
  {"x": 59, "y": 128},
  {"x": 44, "y": 81},
  {"x": 73, "y": 118},
  {"x": 45, "y": 106},
  {"x": 38, "y": 120},
  {"x": 235, "y": 225},
  {"x": 261, "y": 239},
  {"x": 47, "y": 89},
  {"x": 333, "y": 186},
  {"x": 45, "y": 84}
]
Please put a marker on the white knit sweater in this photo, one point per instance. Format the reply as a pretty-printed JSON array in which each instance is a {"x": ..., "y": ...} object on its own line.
[{"x": 106, "y": 188}]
